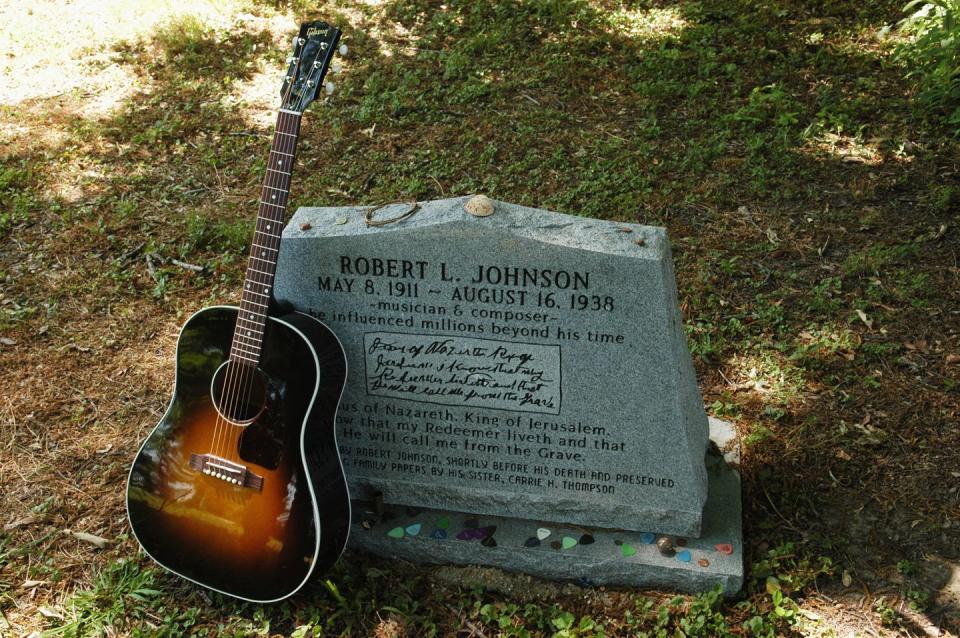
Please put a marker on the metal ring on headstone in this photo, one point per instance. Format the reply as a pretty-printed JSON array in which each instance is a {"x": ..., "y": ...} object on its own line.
[{"x": 412, "y": 207}]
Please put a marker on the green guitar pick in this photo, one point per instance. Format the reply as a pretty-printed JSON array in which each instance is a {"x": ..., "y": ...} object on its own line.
[
  {"x": 396, "y": 532},
  {"x": 627, "y": 550},
  {"x": 569, "y": 542},
  {"x": 443, "y": 522}
]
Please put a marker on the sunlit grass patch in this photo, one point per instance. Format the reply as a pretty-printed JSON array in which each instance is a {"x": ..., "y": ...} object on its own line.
[
  {"x": 74, "y": 43},
  {"x": 647, "y": 24},
  {"x": 777, "y": 380},
  {"x": 846, "y": 148}
]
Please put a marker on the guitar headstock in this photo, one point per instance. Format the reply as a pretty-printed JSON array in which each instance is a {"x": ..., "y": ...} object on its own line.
[{"x": 313, "y": 51}]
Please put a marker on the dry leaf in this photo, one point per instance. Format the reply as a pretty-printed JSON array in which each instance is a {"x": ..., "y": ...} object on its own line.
[
  {"x": 93, "y": 539},
  {"x": 867, "y": 321},
  {"x": 17, "y": 523},
  {"x": 846, "y": 579}
]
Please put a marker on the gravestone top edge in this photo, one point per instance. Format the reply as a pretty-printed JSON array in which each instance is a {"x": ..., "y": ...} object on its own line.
[{"x": 616, "y": 238}]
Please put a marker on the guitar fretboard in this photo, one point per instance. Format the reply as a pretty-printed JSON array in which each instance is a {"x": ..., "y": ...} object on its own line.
[{"x": 262, "y": 263}]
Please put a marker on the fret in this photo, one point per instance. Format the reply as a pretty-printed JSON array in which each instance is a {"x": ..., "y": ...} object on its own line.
[
  {"x": 285, "y": 192},
  {"x": 274, "y": 235},
  {"x": 262, "y": 272},
  {"x": 248, "y": 354},
  {"x": 264, "y": 247},
  {"x": 273, "y": 170},
  {"x": 272, "y": 263},
  {"x": 248, "y": 334},
  {"x": 280, "y": 206},
  {"x": 256, "y": 303},
  {"x": 254, "y": 292},
  {"x": 256, "y": 327},
  {"x": 251, "y": 360},
  {"x": 268, "y": 222},
  {"x": 250, "y": 346},
  {"x": 282, "y": 153},
  {"x": 288, "y": 134}
]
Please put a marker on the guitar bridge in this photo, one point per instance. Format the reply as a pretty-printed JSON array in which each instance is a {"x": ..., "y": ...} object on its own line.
[{"x": 227, "y": 471}]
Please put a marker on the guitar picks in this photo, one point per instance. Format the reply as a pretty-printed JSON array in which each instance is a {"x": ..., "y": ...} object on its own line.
[
  {"x": 396, "y": 532},
  {"x": 724, "y": 548},
  {"x": 542, "y": 533},
  {"x": 627, "y": 550},
  {"x": 568, "y": 542},
  {"x": 414, "y": 529}
]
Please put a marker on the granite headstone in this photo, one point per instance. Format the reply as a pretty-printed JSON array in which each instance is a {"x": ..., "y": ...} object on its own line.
[{"x": 512, "y": 367}]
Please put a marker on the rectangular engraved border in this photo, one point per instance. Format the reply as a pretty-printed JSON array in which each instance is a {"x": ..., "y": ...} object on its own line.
[{"x": 461, "y": 405}]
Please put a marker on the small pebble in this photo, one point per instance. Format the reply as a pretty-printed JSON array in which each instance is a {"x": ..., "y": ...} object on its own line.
[
  {"x": 305, "y": 226},
  {"x": 665, "y": 546}
]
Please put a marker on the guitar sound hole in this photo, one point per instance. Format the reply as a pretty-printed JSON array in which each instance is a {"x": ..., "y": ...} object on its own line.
[{"x": 239, "y": 392}]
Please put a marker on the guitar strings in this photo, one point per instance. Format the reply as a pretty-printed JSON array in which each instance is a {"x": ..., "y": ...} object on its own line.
[
  {"x": 282, "y": 180},
  {"x": 240, "y": 375},
  {"x": 221, "y": 442},
  {"x": 274, "y": 180},
  {"x": 241, "y": 380}
]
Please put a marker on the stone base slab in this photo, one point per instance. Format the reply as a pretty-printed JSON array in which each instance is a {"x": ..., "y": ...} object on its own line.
[{"x": 589, "y": 556}]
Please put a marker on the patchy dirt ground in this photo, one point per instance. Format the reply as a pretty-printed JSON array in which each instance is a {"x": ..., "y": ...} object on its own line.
[{"x": 812, "y": 204}]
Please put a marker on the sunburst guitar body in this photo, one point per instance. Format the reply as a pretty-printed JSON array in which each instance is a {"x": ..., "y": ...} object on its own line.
[
  {"x": 252, "y": 510},
  {"x": 239, "y": 487}
]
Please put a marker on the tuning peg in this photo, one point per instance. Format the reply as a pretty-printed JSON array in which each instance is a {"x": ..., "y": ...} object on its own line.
[
  {"x": 317, "y": 64},
  {"x": 311, "y": 83},
  {"x": 336, "y": 67},
  {"x": 343, "y": 50},
  {"x": 328, "y": 87}
]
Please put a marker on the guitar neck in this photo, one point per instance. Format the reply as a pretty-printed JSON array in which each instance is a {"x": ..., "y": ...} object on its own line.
[{"x": 262, "y": 263}]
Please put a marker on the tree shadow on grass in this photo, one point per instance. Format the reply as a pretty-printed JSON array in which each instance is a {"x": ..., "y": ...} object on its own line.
[
  {"x": 712, "y": 119},
  {"x": 770, "y": 141}
]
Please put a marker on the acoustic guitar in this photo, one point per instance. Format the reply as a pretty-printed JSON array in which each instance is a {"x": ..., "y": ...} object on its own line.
[{"x": 240, "y": 488}]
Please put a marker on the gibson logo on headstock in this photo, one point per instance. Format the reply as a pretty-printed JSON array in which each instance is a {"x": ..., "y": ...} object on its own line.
[{"x": 317, "y": 31}]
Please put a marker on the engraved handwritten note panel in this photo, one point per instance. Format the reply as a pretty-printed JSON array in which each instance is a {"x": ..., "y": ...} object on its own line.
[
  {"x": 523, "y": 364},
  {"x": 462, "y": 371}
]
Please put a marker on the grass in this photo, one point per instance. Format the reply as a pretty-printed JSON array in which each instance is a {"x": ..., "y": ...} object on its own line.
[{"x": 811, "y": 203}]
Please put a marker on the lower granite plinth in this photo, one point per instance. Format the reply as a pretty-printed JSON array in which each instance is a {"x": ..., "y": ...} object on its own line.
[{"x": 589, "y": 556}]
